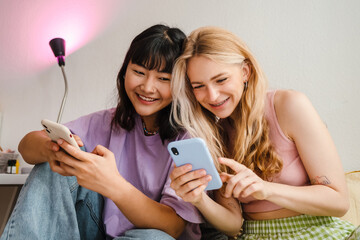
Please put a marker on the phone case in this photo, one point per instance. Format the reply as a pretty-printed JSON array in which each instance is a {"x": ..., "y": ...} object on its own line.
[
  {"x": 55, "y": 131},
  {"x": 195, "y": 152}
]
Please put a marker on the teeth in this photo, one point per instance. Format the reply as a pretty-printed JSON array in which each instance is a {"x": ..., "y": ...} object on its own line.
[
  {"x": 146, "y": 98},
  {"x": 216, "y": 105}
]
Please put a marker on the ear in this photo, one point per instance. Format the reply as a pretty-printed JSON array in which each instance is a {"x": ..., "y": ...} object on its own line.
[{"x": 246, "y": 71}]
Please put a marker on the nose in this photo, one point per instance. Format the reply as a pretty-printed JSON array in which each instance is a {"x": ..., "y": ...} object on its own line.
[
  {"x": 148, "y": 84},
  {"x": 212, "y": 93}
]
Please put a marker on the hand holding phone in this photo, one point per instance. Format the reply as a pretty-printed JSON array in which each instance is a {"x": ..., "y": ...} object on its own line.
[
  {"x": 195, "y": 152},
  {"x": 56, "y": 131}
]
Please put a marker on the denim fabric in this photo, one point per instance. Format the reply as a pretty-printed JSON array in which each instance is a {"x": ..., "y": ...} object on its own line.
[
  {"x": 148, "y": 234},
  {"x": 51, "y": 206}
]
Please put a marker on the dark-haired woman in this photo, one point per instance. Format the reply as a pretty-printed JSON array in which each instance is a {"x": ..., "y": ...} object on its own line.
[{"x": 121, "y": 189}]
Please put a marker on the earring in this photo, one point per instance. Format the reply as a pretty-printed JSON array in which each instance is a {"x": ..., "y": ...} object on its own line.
[{"x": 245, "y": 84}]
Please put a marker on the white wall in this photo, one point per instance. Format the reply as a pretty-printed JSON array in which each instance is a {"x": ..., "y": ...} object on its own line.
[{"x": 309, "y": 46}]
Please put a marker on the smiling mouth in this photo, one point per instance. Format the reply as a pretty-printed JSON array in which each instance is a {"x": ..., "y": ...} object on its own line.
[
  {"x": 220, "y": 103},
  {"x": 147, "y": 99}
]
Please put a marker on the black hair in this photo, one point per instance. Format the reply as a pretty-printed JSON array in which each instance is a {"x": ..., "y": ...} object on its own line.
[{"x": 155, "y": 48}]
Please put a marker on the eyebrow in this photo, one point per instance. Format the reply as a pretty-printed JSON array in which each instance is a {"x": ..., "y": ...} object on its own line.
[
  {"x": 212, "y": 78},
  {"x": 143, "y": 66}
]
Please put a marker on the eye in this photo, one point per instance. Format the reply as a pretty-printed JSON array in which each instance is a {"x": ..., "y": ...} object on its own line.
[
  {"x": 138, "y": 72},
  {"x": 164, "y": 79},
  {"x": 198, "y": 86},
  {"x": 221, "y": 80}
]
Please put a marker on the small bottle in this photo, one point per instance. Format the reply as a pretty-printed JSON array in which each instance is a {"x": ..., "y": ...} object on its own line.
[
  {"x": 17, "y": 166},
  {"x": 11, "y": 168}
]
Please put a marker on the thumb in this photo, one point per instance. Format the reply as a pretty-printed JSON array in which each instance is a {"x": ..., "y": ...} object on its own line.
[{"x": 100, "y": 150}]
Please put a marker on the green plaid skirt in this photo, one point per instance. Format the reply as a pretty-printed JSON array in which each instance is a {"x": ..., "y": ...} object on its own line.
[{"x": 300, "y": 227}]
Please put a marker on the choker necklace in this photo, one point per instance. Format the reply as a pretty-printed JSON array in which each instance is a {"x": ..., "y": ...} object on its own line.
[{"x": 148, "y": 133}]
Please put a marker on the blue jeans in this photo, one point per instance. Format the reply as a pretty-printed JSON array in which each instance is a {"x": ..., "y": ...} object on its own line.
[{"x": 51, "y": 206}]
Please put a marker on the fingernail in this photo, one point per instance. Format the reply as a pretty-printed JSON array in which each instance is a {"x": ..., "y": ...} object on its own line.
[{"x": 60, "y": 141}]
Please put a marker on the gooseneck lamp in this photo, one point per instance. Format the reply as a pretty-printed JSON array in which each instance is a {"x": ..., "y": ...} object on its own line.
[{"x": 58, "y": 47}]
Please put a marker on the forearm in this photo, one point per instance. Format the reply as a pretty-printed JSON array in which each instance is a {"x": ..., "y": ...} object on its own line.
[
  {"x": 227, "y": 218},
  {"x": 32, "y": 147},
  {"x": 316, "y": 200},
  {"x": 144, "y": 212}
]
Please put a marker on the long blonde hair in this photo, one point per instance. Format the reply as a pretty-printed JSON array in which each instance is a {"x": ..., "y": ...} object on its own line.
[{"x": 252, "y": 146}]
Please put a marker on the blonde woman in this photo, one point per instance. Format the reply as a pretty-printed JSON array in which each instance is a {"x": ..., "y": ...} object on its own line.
[{"x": 282, "y": 165}]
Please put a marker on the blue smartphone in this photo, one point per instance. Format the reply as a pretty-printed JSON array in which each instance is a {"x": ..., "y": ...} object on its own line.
[{"x": 195, "y": 152}]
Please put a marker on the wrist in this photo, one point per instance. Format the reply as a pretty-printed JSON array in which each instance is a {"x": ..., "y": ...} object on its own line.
[
  {"x": 201, "y": 201},
  {"x": 269, "y": 186},
  {"x": 115, "y": 188}
]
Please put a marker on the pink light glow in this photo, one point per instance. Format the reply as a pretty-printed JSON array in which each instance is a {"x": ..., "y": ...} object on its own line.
[{"x": 28, "y": 26}]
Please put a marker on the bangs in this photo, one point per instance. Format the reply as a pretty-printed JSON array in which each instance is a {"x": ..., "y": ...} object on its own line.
[{"x": 155, "y": 55}]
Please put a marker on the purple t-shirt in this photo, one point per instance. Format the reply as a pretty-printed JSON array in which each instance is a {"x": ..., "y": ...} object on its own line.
[{"x": 143, "y": 161}]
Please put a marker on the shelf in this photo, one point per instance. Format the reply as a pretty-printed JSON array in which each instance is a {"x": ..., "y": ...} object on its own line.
[{"x": 12, "y": 179}]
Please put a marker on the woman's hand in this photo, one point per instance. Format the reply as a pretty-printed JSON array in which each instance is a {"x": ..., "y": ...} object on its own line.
[
  {"x": 53, "y": 160},
  {"x": 244, "y": 183},
  {"x": 189, "y": 185},
  {"x": 96, "y": 171}
]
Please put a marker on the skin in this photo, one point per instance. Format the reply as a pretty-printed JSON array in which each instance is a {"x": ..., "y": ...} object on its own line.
[
  {"x": 149, "y": 92},
  {"x": 217, "y": 88},
  {"x": 301, "y": 124}
]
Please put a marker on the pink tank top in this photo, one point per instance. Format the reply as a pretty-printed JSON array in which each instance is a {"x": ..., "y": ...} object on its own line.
[{"x": 293, "y": 171}]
